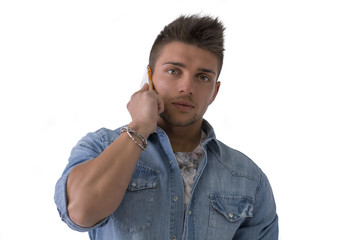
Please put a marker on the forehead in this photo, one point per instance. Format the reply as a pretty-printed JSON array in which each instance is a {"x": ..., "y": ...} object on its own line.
[{"x": 187, "y": 54}]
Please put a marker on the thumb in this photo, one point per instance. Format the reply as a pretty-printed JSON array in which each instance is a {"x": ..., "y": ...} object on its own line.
[{"x": 144, "y": 87}]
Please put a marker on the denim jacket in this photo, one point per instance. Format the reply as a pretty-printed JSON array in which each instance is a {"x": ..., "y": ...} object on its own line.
[{"x": 231, "y": 196}]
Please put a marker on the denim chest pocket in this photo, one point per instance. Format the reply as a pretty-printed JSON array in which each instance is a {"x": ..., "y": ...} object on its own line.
[
  {"x": 136, "y": 209},
  {"x": 227, "y": 213}
]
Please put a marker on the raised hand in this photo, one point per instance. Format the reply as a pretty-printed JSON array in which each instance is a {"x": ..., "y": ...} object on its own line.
[{"x": 145, "y": 107}]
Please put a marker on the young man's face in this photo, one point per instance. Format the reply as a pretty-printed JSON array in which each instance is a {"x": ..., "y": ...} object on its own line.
[{"x": 185, "y": 77}]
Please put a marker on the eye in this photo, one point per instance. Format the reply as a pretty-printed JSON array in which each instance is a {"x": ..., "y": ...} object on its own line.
[
  {"x": 172, "y": 71},
  {"x": 204, "y": 77}
]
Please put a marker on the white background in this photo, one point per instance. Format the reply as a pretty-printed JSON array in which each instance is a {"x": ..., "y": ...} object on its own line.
[{"x": 289, "y": 100}]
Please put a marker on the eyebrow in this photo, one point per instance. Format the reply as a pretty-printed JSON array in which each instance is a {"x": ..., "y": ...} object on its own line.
[{"x": 182, "y": 65}]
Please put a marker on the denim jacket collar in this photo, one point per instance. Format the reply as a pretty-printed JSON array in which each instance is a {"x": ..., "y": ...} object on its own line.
[{"x": 210, "y": 141}]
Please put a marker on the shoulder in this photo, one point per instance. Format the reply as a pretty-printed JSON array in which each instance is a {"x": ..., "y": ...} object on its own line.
[
  {"x": 102, "y": 135},
  {"x": 93, "y": 143},
  {"x": 108, "y": 135},
  {"x": 238, "y": 163}
]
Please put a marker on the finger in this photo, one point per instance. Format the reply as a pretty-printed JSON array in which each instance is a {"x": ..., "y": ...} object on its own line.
[
  {"x": 144, "y": 88},
  {"x": 154, "y": 90},
  {"x": 161, "y": 106}
]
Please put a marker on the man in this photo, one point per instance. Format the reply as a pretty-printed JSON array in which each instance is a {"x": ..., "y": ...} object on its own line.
[{"x": 165, "y": 175}]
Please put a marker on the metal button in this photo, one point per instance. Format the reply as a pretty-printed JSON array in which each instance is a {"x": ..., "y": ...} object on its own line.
[
  {"x": 170, "y": 162},
  {"x": 176, "y": 198},
  {"x": 231, "y": 215},
  {"x": 173, "y": 238},
  {"x": 133, "y": 184},
  {"x": 189, "y": 212}
]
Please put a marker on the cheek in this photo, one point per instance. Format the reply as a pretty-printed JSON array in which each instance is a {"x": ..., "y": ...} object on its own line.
[
  {"x": 210, "y": 95},
  {"x": 161, "y": 88}
]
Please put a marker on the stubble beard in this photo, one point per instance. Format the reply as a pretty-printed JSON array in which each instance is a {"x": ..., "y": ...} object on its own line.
[{"x": 172, "y": 120}]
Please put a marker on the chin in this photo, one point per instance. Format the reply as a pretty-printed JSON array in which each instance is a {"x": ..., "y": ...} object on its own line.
[{"x": 179, "y": 121}]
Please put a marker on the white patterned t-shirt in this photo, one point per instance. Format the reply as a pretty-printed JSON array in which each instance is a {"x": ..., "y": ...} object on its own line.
[{"x": 188, "y": 163}]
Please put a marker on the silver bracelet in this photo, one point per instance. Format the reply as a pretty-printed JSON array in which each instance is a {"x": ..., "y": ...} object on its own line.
[{"x": 130, "y": 131}]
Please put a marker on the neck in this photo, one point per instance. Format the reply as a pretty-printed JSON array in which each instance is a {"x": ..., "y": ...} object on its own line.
[{"x": 183, "y": 139}]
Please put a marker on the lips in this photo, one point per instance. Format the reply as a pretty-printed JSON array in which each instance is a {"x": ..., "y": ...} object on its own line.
[{"x": 183, "y": 105}]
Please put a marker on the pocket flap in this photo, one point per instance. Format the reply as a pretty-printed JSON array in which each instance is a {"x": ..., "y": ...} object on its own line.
[
  {"x": 232, "y": 207},
  {"x": 143, "y": 178}
]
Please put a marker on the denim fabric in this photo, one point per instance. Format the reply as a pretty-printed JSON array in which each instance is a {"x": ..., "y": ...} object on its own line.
[{"x": 231, "y": 196}]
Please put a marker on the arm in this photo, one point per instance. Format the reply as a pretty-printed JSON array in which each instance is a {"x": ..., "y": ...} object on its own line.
[
  {"x": 96, "y": 187},
  {"x": 264, "y": 223}
]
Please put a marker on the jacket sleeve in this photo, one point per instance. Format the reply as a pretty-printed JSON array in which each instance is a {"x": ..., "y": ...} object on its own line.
[
  {"x": 264, "y": 223},
  {"x": 87, "y": 148}
]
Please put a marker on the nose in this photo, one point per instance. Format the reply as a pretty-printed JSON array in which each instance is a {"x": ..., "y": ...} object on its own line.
[{"x": 186, "y": 85}]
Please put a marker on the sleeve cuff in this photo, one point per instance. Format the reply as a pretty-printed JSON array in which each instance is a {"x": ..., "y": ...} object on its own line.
[{"x": 61, "y": 203}]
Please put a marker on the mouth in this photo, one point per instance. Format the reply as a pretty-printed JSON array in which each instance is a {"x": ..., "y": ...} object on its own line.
[{"x": 183, "y": 105}]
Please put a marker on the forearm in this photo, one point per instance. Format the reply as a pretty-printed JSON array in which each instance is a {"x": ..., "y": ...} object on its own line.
[{"x": 96, "y": 188}]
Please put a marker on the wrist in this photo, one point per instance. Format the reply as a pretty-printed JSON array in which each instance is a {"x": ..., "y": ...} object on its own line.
[
  {"x": 136, "y": 137},
  {"x": 142, "y": 129}
]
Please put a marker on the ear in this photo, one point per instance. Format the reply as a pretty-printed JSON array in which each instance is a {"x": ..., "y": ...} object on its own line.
[{"x": 217, "y": 87}]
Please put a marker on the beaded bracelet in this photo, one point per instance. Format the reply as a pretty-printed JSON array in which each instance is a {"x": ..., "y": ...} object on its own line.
[{"x": 130, "y": 131}]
